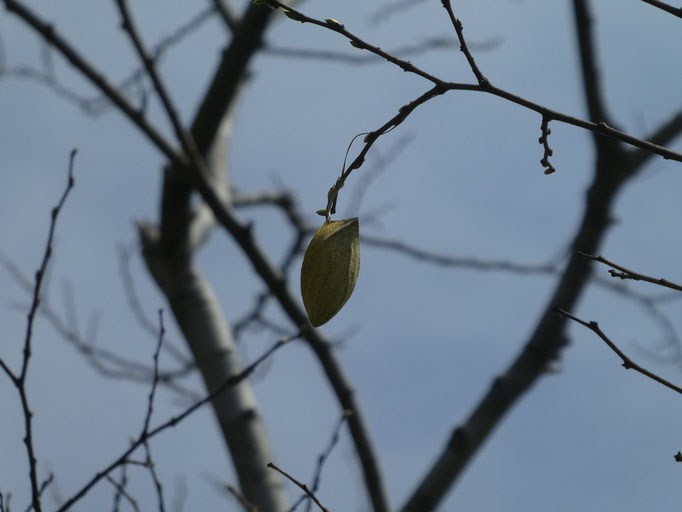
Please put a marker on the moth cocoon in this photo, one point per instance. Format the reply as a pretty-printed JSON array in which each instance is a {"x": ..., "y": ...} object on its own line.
[{"x": 330, "y": 269}]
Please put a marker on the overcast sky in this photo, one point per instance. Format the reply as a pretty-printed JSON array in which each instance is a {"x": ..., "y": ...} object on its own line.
[{"x": 421, "y": 343}]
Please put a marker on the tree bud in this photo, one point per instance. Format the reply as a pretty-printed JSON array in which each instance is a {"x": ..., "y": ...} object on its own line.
[{"x": 292, "y": 15}]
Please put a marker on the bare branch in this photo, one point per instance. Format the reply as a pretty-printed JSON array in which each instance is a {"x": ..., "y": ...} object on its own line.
[
  {"x": 455, "y": 261},
  {"x": 158, "y": 487},
  {"x": 204, "y": 131},
  {"x": 600, "y": 127},
  {"x": 143, "y": 320},
  {"x": 457, "y": 24},
  {"x": 590, "y": 74},
  {"x": 108, "y": 364},
  {"x": 171, "y": 422},
  {"x": 371, "y": 138},
  {"x": 276, "y": 282},
  {"x": 243, "y": 502},
  {"x": 662, "y": 136},
  {"x": 442, "y": 86},
  {"x": 675, "y": 11},
  {"x": 266, "y": 491},
  {"x": 541, "y": 349},
  {"x": 650, "y": 307},
  {"x": 155, "y": 377},
  {"x": 355, "y": 41},
  {"x": 253, "y": 315},
  {"x": 50, "y": 35},
  {"x": 322, "y": 458},
  {"x": 625, "y": 273},
  {"x": 132, "y": 85},
  {"x": 303, "y": 486},
  {"x": 50, "y": 81},
  {"x": 380, "y": 164},
  {"x": 19, "y": 380},
  {"x": 628, "y": 363},
  {"x": 428, "y": 44},
  {"x": 121, "y": 491},
  {"x": 226, "y": 82},
  {"x": 122, "y": 485},
  {"x": 160, "y": 87}
]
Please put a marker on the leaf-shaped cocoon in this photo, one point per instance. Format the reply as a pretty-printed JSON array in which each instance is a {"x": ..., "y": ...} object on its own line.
[{"x": 330, "y": 269}]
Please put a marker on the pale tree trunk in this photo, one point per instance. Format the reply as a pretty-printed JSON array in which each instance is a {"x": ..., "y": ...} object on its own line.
[
  {"x": 201, "y": 320},
  {"x": 168, "y": 252}
]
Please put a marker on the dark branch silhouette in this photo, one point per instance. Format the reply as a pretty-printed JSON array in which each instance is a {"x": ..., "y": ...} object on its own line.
[
  {"x": 19, "y": 378},
  {"x": 628, "y": 363}
]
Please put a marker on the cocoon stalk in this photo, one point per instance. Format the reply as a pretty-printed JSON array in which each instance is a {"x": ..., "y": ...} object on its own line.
[{"x": 330, "y": 269}]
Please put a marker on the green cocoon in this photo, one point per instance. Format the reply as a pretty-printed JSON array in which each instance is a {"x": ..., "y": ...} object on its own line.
[{"x": 330, "y": 269}]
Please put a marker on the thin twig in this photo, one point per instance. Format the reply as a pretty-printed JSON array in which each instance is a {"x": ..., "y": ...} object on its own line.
[
  {"x": 244, "y": 237},
  {"x": 51, "y": 36},
  {"x": 171, "y": 422},
  {"x": 355, "y": 41},
  {"x": 122, "y": 485},
  {"x": 591, "y": 82},
  {"x": 675, "y": 11},
  {"x": 243, "y": 502},
  {"x": 252, "y": 316},
  {"x": 46, "y": 483},
  {"x": 628, "y": 363},
  {"x": 431, "y": 43},
  {"x": 600, "y": 127},
  {"x": 303, "y": 486},
  {"x": 151, "y": 466},
  {"x": 650, "y": 307},
  {"x": 625, "y": 273},
  {"x": 19, "y": 380},
  {"x": 149, "y": 64},
  {"x": 132, "y": 85},
  {"x": 441, "y": 86},
  {"x": 380, "y": 163},
  {"x": 371, "y": 138},
  {"x": 124, "y": 258},
  {"x": 457, "y": 261},
  {"x": 459, "y": 28},
  {"x": 155, "y": 375},
  {"x": 327, "y": 452},
  {"x": 286, "y": 202},
  {"x": 123, "y": 492},
  {"x": 107, "y": 363},
  {"x": 321, "y": 459},
  {"x": 548, "y": 337},
  {"x": 44, "y": 78}
]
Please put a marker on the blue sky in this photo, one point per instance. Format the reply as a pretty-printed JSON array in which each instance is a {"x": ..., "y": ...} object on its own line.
[{"x": 426, "y": 341}]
